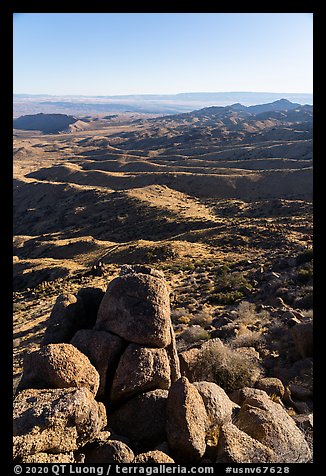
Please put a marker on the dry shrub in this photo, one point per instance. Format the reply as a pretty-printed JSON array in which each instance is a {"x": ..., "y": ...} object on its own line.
[
  {"x": 247, "y": 314},
  {"x": 202, "y": 318},
  {"x": 249, "y": 326},
  {"x": 248, "y": 339},
  {"x": 178, "y": 315},
  {"x": 308, "y": 313},
  {"x": 227, "y": 368},
  {"x": 184, "y": 320}
]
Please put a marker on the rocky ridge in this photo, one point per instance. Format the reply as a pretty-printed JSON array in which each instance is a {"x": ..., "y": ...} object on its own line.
[{"x": 82, "y": 388}]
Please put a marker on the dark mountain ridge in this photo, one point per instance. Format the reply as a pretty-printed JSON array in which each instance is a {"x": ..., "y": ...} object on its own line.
[
  {"x": 47, "y": 123},
  {"x": 282, "y": 105}
]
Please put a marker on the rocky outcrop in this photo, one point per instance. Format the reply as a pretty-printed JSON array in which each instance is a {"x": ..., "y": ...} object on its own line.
[
  {"x": 129, "y": 361},
  {"x": 59, "y": 366},
  {"x": 186, "y": 422},
  {"x": 47, "y": 123},
  {"x": 55, "y": 421}
]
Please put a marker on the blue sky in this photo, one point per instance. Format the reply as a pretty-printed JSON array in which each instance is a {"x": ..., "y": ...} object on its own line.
[{"x": 162, "y": 53}]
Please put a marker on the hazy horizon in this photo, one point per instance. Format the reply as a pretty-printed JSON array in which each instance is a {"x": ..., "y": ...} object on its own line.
[{"x": 161, "y": 94}]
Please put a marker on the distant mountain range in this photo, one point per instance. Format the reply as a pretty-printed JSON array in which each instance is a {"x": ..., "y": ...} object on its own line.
[
  {"x": 260, "y": 111},
  {"x": 234, "y": 117},
  {"x": 146, "y": 103}
]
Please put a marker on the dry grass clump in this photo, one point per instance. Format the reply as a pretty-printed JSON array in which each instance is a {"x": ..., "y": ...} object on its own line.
[
  {"x": 229, "y": 369},
  {"x": 248, "y": 339},
  {"x": 178, "y": 315},
  {"x": 308, "y": 313},
  {"x": 202, "y": 318},
  {"x": 184, "y": 316},
  {"x": 249, "y": 326}
]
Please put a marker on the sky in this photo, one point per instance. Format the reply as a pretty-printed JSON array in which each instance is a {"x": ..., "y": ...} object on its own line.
[{"x": 162, "y": 53}]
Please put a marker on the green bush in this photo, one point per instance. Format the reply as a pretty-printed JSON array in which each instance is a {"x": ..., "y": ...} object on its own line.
[
  {"x": 231, "y": 281},
  {"x": 304, "y": 257},
  {"x": 159, "y": 253},
  {"x": 225, "y": 298},
  {"x": 305, "y": 274},
  {"x": 305, "y": 301},
  {"x": 194, "y": 334}
]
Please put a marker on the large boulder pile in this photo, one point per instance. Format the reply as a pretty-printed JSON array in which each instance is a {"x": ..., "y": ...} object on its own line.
[{"x": 106, "y": 386}]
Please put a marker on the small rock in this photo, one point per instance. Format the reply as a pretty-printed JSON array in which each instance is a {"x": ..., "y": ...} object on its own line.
[
  {"x": 109, "y": 451},
  {"x": 304, "y": 422},
  {"x": 153, "y": 457},
  {"x": 272, "y": 386},
  {"x": 240, "y": 395},
  {"x": 67, "y": 317},
  {"x": 188, "y": 364}
]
